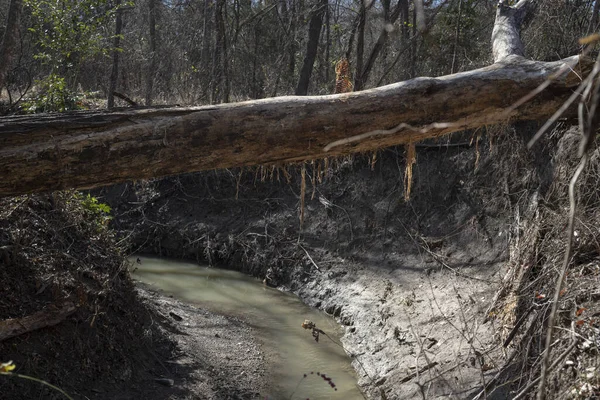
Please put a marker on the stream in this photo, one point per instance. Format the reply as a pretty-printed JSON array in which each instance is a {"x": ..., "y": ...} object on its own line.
[{"x": 276, "y": 317}]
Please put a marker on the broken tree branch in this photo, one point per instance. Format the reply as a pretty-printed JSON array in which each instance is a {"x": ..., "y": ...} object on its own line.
[{"x": 51, "y": 316}]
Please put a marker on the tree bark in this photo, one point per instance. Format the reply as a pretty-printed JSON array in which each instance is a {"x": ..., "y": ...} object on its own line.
[
  {"x": 114, "y": 75},
  {"x": 89, "y": 149},
  {"x": 360, "y": 45},
  {"x": 9, "y": 39},
  {"x": 151, "y": 69},
  {"x": 52, "y": 316},
  {"x": 506, "y": 38},
  {"x": 314, "y": 32},
  {"x": 389, "y": 18},
  {"x": 218, "y": 72}
]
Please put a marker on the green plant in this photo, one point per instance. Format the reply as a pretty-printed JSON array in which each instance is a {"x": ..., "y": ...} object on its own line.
[
  {"x": 68, "y": 32},
  {"x": 53, "y": 96},
  {"x": 98, "y": 212}
]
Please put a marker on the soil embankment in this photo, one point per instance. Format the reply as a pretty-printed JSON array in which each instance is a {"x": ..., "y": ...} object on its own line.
[
  {"x": 411, "y": 280},
  {"x": 119, "y": 342},
  {"x": 440, "y": 295}
]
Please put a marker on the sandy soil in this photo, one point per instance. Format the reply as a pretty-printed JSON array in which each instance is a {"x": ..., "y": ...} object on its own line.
[{"x": 216, "y": 357}]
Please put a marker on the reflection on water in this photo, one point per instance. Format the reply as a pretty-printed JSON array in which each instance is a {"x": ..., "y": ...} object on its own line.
[{"x": 277, "y": 316}]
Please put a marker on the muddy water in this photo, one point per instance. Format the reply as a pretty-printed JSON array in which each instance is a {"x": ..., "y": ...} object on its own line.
[{"x": 275, "y": 315}]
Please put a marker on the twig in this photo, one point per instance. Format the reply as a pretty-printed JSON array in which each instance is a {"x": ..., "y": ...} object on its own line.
[
  {"x": 125, "y": 98},
  {"x": 584, "y": 84},
  {"x": 383, "y": 132},
  {"x": 420, "y": 371},
  {"x": 438, "y": 259},
  {"x": 515, "y": 329},
  {"x": 328, "y": 203},
  {"x": 31, "y": 378},
  {"x": 309, "y": 257},
  {"x": 524, "y": 392},
  {"x": 559, "y": 112},
  {"x": 542, "y": 379}
]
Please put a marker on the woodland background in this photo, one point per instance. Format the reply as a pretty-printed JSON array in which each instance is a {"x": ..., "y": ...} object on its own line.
[{"x": 72, "y": 54}]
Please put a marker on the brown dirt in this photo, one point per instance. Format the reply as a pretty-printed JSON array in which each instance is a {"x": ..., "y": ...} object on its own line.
[
  {"x": 120, "y": 340},
  {"x": 412, "y": 281}
]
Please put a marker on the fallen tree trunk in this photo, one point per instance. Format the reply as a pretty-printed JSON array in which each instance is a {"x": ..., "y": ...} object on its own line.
[
  {"x": 52, "y": 316},
  {"x": 89, "y": 149}
]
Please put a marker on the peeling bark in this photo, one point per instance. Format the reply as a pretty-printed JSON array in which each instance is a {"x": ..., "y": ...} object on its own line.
[{"x": 89, "y": 149}]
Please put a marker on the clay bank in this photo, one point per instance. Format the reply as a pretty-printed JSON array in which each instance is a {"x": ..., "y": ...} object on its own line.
[{"x": 410, "y": 281}]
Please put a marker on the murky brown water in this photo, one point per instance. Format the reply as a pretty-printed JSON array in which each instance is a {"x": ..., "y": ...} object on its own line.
[{"x": 277, "y": 316}]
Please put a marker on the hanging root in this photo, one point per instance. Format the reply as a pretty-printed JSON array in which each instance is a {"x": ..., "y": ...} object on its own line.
[
  {"x": 411, "y": 158},
  {"x": 313, "y": 180},
  {"x": 373, "y": 160},
  {"x": 302, "y": 194}
]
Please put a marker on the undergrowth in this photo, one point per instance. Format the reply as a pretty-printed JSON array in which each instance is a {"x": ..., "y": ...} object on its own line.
[{"x": 537, "y": 249}]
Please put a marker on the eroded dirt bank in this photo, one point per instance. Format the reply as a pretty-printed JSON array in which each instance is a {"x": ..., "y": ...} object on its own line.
[
  {"x": 411, "y": 280},
  {"x": 429, "y": 288},
  {"x": 118, "y": 342}
]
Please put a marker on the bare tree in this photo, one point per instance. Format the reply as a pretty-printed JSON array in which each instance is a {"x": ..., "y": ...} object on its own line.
[
  {"x": 220, "y": 77},
  {"x": 389, "y": 18},
  {"x": 114, "y": 75},
  {"x": 9, "y": 39},
  {"x": 314, "y": 33},
  {"x": 152, "y": 58}
]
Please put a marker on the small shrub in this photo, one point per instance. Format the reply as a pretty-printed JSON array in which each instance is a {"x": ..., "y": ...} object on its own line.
[{"x": 53, "y": 96}]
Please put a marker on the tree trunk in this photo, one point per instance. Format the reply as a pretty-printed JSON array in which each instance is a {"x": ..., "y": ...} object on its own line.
[
  {"x": 327, "y": 42},
  {"x": 51, "y": 316},
  {"x": 360, "y": 46},
  {"x": 403, "y": 5},
  {"x": 88, "y": 149},
  {"x": 225, "y": 62},
  {"x": 151, "y": 69},
  {"x": 9, "y": 39},
  {"x": 506, "y": 39},
  {"x": 389, "y": 18},
  {"x": 218, "y": 72},
  {"x": 114, "y": 75},
  {"x": 314, "y": 32},
  {"x": 593, "y": 26}
]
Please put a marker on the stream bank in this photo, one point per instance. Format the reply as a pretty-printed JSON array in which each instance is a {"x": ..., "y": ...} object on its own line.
[
  {"x": 428, "y": 289},
  {"x": 410, "y": 280},
  {"x": 120, "y": 342}
]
